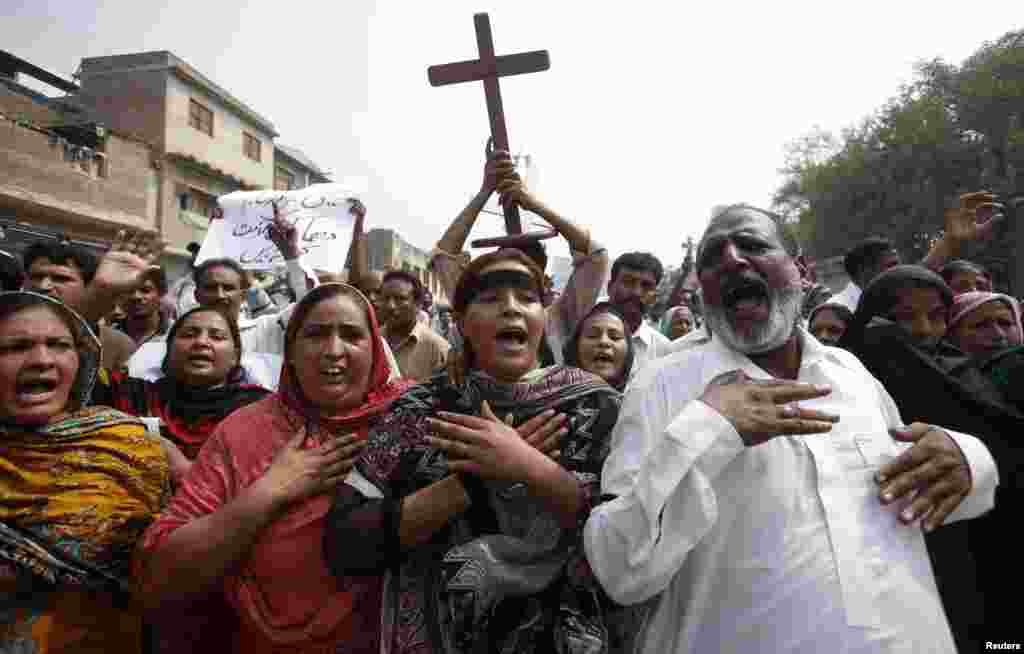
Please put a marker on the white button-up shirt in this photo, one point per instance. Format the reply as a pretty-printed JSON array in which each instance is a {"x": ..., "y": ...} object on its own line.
[
  {"x": 265, "y": 334},
  {"x": 648, "y": 344},
  {"x": 849, "y": 297},
  {"x": 781, "y": 547}
]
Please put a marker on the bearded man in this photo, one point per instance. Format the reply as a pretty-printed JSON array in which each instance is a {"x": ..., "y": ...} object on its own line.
[{"x": 765, "y": 485}]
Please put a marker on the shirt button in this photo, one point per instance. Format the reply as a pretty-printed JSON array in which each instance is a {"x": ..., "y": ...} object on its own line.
[{"x": 878, "y": 565}]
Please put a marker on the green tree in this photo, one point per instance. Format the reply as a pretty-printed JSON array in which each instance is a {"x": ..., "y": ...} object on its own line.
[{"x": 952, "y": 130}]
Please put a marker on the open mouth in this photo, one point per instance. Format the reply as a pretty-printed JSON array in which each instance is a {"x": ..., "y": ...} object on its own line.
[
  {"x": 200, "y": 359},
  {"x": 333, "y": 374},
  {"x": 35, "y": 389},
  {"x": 512, "y": 336},
  {"x": 745, "y": 295},
  {"x": 604, "y": 358}
]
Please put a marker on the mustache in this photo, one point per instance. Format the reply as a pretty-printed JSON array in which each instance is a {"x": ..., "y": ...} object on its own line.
[{"x": 784, "y": 303}]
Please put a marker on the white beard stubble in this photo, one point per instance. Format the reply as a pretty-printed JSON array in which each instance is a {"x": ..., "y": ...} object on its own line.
[{"x": 783, "y": 314}]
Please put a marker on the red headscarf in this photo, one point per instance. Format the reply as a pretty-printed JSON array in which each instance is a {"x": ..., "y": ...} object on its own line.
[
  {"x": 281, "y": 590},
  {"x": 382, "y": 389}
]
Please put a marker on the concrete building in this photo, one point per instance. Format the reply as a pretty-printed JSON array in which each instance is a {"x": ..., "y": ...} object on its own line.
[
  {"x": 294, "y": 170},
  {"x": 206, "y": 141},
  {"x": 387, "y": 250},
  {"x": 144, "y": 142},
  {"x": 64, "y": 173}
]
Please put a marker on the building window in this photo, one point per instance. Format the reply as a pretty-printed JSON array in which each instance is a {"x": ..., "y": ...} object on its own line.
[
  {"x": 284, "y": 180},
  {"x": 251, "y": 146},
  {"x": 196, "y": 201},
  {"x": 200, "y": 117}
]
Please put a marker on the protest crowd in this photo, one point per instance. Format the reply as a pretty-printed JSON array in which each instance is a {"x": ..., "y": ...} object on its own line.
[{"x": 200, "y": 465}]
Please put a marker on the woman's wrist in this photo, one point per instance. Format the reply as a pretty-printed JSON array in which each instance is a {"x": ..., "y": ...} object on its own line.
[
  {"x": 541, "y": 471},
  {"x": 267, "y": 501},
  {"x": 560, "y": 488},
  {"x": 460, "y": 487}
]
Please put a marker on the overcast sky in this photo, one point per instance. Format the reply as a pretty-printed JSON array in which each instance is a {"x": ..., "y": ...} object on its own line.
[{"x": 651, "y": 114}]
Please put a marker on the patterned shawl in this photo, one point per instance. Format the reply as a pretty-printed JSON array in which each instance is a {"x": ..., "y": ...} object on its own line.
[
  {"x": 505, "y": 576},
  {"x": 75, "y": 494}
]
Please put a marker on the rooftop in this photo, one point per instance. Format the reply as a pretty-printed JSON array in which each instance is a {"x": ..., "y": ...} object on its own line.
[
  {"x": 62, "y": 115},
  {"x": 300, "y": 157},
  {"x": 166, "y": 60},
  {"x": 12, "y": 65}
]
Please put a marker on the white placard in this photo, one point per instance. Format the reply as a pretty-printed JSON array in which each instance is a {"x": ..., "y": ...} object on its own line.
[
  {"x": 320, "y": 213},
  {"x": 261, "y": 368}
]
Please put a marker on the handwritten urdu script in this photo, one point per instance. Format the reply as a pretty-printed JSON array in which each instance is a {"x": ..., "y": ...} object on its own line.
[{"x": 320, "y": 213}]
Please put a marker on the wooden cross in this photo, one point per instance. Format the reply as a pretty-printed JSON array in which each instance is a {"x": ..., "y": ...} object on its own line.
[
  {"x": 489, "y": 68},
  {"x": 675, "y": 298}
]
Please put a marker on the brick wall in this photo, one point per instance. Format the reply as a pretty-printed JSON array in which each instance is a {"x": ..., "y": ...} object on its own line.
[
  {"x": 39, "y": 182},
  {"x": 131, "y": 102}
]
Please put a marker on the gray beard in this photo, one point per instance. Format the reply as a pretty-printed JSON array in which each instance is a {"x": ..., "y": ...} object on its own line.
[{"x": 783, "y": 314}]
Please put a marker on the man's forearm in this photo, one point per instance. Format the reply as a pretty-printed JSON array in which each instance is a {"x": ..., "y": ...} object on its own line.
[
  {"x": 298, "y": 280},
  {"x": 358, "y": 256}
]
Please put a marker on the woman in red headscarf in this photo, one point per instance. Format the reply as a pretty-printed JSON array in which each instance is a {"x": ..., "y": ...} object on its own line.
[{"x": 248, "y": 519}]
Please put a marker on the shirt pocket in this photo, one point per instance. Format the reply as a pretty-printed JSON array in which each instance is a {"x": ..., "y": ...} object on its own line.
[
  {"x": 863, "y": 443},
  {"x": 875, "y": 449}
]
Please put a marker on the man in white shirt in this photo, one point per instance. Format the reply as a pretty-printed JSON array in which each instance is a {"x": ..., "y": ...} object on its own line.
[
  {"x": 863, "y": 263},
  {"x": 224, "y": 283},
  {"x": 761, "y": 532},
  {"x": 633, "y": 289},
  {"x": 973, "y": 219},
  {"x": 182, "y": 295}
]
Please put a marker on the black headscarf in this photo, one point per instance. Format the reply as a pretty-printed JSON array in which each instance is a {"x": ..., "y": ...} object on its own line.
[
  {"x": 883, "y": 293},
  {"x": 570, "y": 352},
  {"x": 943, "y": 387},
  {"x": 841, "y": 310},
  {"x": 188, "y": 413}
]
